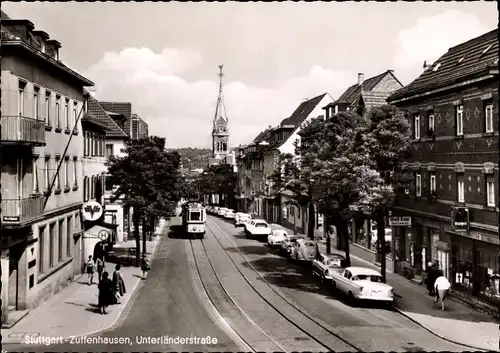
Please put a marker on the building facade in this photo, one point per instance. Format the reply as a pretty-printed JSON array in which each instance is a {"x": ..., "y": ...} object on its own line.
[
  {"x": 453, "y": 107},
  {"x": 42, "y": 101}
]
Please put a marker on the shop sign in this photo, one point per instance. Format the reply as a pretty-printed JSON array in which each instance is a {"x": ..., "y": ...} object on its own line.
[
  {"x": 492, "y": 239},
  {"x": 11, "y": 218},
  {"x": 460, "y": 218},
  {"x": 92, "y": 211},
  {"x": 400, "y": 221}
]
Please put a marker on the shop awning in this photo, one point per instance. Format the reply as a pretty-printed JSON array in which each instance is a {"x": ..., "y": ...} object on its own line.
[{"x": 99, "y": 231}]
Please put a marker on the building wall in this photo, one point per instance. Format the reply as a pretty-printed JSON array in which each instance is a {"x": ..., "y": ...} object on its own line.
[{"x": 387, "y": 84}]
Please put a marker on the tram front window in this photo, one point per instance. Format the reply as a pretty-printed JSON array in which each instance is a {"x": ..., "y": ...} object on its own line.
[{"x": 195, "y": 216}]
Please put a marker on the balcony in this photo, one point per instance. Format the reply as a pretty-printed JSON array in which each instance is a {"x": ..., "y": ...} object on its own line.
[
  {"x": 22, "y": 130},
  {"x": 20, "y": 212}
]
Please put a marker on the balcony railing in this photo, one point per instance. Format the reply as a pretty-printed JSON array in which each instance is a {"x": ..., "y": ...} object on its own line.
[
  {"x": 20, "y": 129},
  {"x": 18, "y": 212}
]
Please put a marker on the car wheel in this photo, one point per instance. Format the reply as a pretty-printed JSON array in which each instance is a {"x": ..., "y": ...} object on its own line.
[
  {"x": 333, "y": 285},
  {"x": 351, "y": 298}
]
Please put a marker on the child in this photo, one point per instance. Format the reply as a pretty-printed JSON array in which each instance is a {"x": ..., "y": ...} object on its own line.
[
  {"x": 145, "y": 266},
  {"x": 90, "y": 270}
]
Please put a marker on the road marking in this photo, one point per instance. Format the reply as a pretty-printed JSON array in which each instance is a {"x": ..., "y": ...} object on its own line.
[{"x": 209, "y": 305}]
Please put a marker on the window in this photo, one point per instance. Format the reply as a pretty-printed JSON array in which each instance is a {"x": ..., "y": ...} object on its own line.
[
  {"x": 460, "y": 120},
  {"x": 47, "y": 108},
  {"x": 35, "y": 175},
  {"x": 77, "y": 224},
  {"x": 58, "y": 111},
  {"x": 22, "y": 85},
  {"x": 60, "y": 239},
  {"x": 47, "y": 173},
  {"x": 58, "y": 179},
  {"x": 461, "y": 191},
  {"x": 488, "y": 116},
  {"x": 431, "y": 122},
  {"x": 85, "y": 198},
  {"x": 75, "y": 115},
  {"x": 66, "y": 174},
  {"x": 109, "y": 150},
  {"x": 418, "y": 185},
  {"x": 432, "y": 183},
  {"x": 42, "y": 48},
  {"x": 69, "y": 236},
  {"x": 85, "y": 143},
  {"x": 490, "y": 193},
  {"x": 66, "y": 114},
  {"x": 92, "y": 182},
  {"x": 416, "y": 127},
  {"x": 91, "y": 139},
  {"x": 75, "y": 172},
  {"x": 36, "y": 104},
  {"x": 52, "y": 235},
  {"x": 41, "y": 245}
]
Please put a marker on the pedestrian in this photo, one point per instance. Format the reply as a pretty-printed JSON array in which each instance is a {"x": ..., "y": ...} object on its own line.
[
  {"x": 442, "y": 287},
  {"x": 145, "y": 266},
  {"x": 118, "y": 284},
  {"x": 99, "y": 264},
  {"x": 431, "y": 278},
  {"x": 89, "y": 268},
  {"x": 105, "y": 293}
]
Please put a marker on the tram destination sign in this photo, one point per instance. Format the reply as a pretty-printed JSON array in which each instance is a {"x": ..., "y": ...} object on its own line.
[{"x": 400, "y": 221}]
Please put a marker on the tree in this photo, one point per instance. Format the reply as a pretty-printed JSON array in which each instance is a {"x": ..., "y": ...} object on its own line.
[
  {"x": 387, "y": 140},
  {"x": 219, "y": 179},
  {"x": 148, "y": 179}
]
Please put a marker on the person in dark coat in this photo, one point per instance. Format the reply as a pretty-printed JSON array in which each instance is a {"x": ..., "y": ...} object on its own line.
[
  {"x": 105, "y": 293},
  {"x": 431, "y": 277},
  {"x": 118, "y": 284}
]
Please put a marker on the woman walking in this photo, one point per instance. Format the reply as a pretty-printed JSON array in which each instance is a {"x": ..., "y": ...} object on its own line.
[
  {"x": 89, "y": 268},
  {"x": 105, "y": 293},
  {"x": 442, "y": 287},
  {"x": 145, "y": 266},
  {"x": 118, "y": 284}
]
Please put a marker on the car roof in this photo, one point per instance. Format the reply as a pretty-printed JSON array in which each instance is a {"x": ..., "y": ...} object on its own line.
[
  {"x": 334, "y": 256},
  {"x": 280, "y": 230},
  {"x": 363, "y": 271}
]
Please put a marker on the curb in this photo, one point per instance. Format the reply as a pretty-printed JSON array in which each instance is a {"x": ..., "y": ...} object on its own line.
[
  {"x": 120, "y": 317},
  {"x": 438, "y": 335}
]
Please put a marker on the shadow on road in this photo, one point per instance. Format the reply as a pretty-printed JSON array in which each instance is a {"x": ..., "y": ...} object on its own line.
[
  {"x": 177, "y": 232},
  {"x": 250, "y": 249}
]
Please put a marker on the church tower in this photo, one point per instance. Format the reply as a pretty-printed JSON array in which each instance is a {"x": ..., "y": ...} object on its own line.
[{"x": 220, "y": 132}]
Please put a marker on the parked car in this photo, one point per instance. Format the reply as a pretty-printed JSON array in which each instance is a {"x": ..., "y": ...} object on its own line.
[
  {"x": 304, "y": 250},
  {"x": 361, "y": 283},
  {"x": 257, "y": 228},
  {"x": 215, "y": 210},
  {"x": 288, "y": 244},
  {"x": 222, "y": 211},
  {"x": 276, "y": 237},
  {"x": 326, "y": 264},
  {"x": 241, "y": 218},
  {"x": 229, "y": 214}
]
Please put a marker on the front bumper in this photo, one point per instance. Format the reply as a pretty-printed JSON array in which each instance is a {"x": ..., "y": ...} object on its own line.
[{"x": 376, "y": 298}]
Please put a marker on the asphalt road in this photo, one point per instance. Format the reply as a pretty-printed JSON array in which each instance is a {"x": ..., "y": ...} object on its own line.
[
  {"x": 167, "y": 305},
  {"x": 370, "y": 328}
]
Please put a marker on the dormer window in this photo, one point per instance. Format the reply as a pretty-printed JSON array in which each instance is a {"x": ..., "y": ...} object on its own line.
[
  {"x": 43, "y": 47},
  {"x": 56, "y": 54},
  {"x": 436, "y": 67}
]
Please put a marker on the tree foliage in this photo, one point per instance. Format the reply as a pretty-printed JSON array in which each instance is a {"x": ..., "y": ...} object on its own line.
[
  {"x": 218, "y": 179},
  {"x": 147, "y": 178}
]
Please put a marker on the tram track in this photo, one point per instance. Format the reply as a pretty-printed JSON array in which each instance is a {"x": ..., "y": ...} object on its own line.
[{"x": 302, "y": 321}]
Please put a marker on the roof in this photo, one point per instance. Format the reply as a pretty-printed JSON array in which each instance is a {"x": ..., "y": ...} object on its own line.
[
  {"x": 122, "y": 108},
  {"x": 92, "y": 119},
  {"x": 352, "y": 93},
  {"x": 362, "y": 271},
  {"x": 95, "y": 108},
  {"x": 458, "y": 63},
  {"x": 302, "y": 112},
  {"x": 374, "y": 99},
  {"x": 262, "y": 136},
  {"x": 4, "y": 16}
]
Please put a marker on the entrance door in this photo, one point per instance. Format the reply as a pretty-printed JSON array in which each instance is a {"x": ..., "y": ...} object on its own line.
[{"x": 443, "y": 258}]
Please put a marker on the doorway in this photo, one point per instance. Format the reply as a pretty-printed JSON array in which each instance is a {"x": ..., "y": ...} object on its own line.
[{"x": 443, "y": 258}]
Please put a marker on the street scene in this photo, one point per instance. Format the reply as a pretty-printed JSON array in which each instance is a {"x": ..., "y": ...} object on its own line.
[{"x": 168, "y": 186}]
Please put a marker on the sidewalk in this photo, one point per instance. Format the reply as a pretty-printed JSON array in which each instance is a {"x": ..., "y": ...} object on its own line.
[
  {"x": 459, "y": 323},
  {"x": 73, "y": 310}
]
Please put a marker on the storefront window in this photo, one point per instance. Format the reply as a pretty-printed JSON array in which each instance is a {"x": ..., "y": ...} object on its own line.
[
  {"x": 488, "y": 277},
  {"x": 463, "y": 270}
]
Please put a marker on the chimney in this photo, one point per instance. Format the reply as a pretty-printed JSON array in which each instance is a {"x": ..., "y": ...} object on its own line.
[
  {"x": 20, "y": 28},
  {"x": 361, "y": 78},
  {"x": 42, "y": 38},
  {"x": 53, "y": 48},
  {"x": 91, "y": 91},
  {"x": 425, "y": 65}
]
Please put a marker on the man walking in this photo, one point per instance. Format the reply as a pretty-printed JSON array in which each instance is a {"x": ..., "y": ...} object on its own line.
[{"x": 431, "y": 278}]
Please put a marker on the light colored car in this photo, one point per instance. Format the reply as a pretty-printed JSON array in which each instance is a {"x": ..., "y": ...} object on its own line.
[
  {"x": 276, "y": 237},
  {"x": 304, "y": 250},
  {"x": 361, "y": 283},
  {"x": 215, "y": 210},
  {"x": 326, "y": 264},
  {"x": 241, "y": 218},
  {"x": 257, "y": 228},
  {"x": 289, "y": 243},
  {"x": 222, "y": 211},
  {"x": 229, "y": 214}
]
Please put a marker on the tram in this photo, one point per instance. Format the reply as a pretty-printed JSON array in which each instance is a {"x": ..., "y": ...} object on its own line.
[{"x": 194, "y": 217}]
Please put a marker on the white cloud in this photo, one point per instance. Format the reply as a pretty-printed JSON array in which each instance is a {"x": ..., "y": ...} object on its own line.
[
  {"x": 432, "y": 36},
  {"x": 183, "y": 111}
]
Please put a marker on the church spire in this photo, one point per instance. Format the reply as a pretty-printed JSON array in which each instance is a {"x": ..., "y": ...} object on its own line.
[{"x": 220, "y": 132}]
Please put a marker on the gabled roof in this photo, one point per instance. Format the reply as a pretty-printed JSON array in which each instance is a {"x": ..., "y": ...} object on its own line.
[
  {"x": 92, "y": 119},
  {"x": 95, "y": 109},
  {"x": 474, "y": 57},
  {"x": 353, "y": 93},
  {"x": 262, "y": 136},
  {"x": 302, "y": 112},
  {"x": 122, "y": 108},
  {"x": 374, "y": 99}
]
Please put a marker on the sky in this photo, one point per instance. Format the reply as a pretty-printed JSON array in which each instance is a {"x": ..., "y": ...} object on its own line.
[{"x": 164, "y": 57}]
